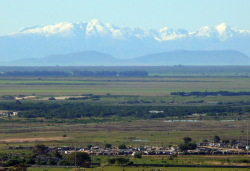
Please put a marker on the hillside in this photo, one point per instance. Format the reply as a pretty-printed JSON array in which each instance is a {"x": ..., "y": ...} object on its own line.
[{"x": 93, "y": 58}]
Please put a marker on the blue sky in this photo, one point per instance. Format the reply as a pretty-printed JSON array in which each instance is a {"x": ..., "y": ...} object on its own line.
[{"x": 188, "y": 14}]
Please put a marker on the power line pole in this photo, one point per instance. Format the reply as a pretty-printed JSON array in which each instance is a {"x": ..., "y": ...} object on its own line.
[
  {"x": 247, "y": 143},
  {"x": 75, "y": 154}
]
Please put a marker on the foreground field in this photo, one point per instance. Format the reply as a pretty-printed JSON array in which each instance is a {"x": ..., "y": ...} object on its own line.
[
  {"x": 147, "y": 132},
  {"x": 113, "y": 168}
]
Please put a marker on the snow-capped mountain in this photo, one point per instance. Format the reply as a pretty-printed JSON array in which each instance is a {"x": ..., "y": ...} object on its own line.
[{"x": 63, "y": 38}]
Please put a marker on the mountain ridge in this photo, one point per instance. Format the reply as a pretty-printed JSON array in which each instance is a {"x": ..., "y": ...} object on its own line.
[
  {"x": 120, "y": 42},
  {"x": 183, "y": 57}
]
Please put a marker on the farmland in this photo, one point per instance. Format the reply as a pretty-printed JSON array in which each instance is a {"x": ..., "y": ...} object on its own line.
[
  {"x": 148, "y": 86},
  {"x": 100, "y": 110}
]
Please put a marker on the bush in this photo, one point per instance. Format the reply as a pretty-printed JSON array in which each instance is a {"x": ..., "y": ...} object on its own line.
[
  {"x": 62, "y": 163},
  {"x": 50, "y": 162},
  {"x": 89, "y": 146},
  {"x": 12, "y": 162},
  {"x": 122, "y": 146},
  {"x": 30, "y": 161},
  {"x": 121, "y": 161},
  {"x": 108, "y": 145},
  {"x": 111, "y": 161},
  {"x": 138, "y": 155}
]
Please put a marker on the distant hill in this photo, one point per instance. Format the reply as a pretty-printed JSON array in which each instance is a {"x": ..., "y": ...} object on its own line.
[
  {"x": 73, "y": 59},
  {"x": 183, "y": 57}
]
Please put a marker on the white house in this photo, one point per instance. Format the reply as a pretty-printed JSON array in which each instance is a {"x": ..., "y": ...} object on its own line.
[{"x": 155, "y": 111}]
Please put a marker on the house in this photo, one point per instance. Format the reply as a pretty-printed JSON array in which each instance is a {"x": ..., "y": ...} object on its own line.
[
  {"x": 155, "y": 111},
  {"x": 15, "y": 114}
]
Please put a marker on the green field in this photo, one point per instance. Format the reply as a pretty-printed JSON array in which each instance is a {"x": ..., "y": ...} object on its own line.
[
  {"x": 143, "y": 168},
  {"x": 148, "y": 86},
  {"x": 132, "y": 131}
]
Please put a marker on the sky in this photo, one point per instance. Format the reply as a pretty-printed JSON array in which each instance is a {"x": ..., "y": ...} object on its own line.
[{"x": 155, "y": 14}]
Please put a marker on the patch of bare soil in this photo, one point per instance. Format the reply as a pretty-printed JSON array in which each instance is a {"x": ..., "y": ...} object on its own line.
[
  {"x": 26, "y": 97},
  {"x": 61, "y": 97}
]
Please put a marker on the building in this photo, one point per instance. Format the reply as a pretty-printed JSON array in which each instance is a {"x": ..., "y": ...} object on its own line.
[{"x": 155, "y": 111}]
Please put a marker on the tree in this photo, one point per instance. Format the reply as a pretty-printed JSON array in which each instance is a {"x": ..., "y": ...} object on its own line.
[
  {"x": 205, "y": 141},
  {"x": 233, "y": 141},
  {"x": 216, "y": 139},
  {"x": 50, "y": 162},
  {"x": 40, "y": 149},
  {"x": 122, "y": 146},
  {"x": 225, "y": 141},
  {"x": 187, "y": 139},
  {"x": 81, "y": 158},
  {"x": 137, "y": 155},
  {"x": 89, "y": 146},
  {"x": 30, "y": 161},
  {"x": 121, "y": 160},
  {"x": 108, "y": 145},
  {"x": 18, "y": 167},
  {"x": 57, "y": 155},
  {"x": 12, "y": 162},
  {"x": 111, "y": 161},
  {"x": 62, "y": 163},
  {"x": 187, "y": 145}
]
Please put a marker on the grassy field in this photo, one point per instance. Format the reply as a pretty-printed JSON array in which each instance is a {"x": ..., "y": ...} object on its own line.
[
  {"x": 148, "y": 86},
  {"x": 146, "y": 133},
  {"x": 141, "y": 169},
  {"x": 130, "y": 131}
]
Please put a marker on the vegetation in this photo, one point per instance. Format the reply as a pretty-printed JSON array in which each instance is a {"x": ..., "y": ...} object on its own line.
[
  {"x": 109, "y": 73},
  {"x": 221, "y": 93},
  {"x": 118, "y": 109},
  {"x": 81, "y": 158},
  {"x": 187, "y": 145},
  {"x": 216, "y": 139},
  {"x": 122, "y": 146}
]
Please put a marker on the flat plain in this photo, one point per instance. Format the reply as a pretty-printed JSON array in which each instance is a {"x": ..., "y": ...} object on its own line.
[
  {"x": 148, "y": 86},
  {"x": 168, "y": 131}
]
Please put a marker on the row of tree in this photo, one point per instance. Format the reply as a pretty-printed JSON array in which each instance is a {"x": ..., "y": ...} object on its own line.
[
  {"x": 136, "y": 73},
  {"x": 35, "y": 73},
  {"x": 77, "y": 73},
  {"x": 222, "y": 93},
  {"x": 78, "y": 109}
]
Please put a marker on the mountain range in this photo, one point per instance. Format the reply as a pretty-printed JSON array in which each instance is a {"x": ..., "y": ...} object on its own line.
[
  {"x": 124, "y": 43},
  {"x": 183, "y": 57}
]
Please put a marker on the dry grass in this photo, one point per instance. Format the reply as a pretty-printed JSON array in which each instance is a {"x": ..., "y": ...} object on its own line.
[{"x": 154, "y": 132}]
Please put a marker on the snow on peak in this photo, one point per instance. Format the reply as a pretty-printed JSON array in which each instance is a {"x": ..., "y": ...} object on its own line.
[
  {"x": 97, "y": 29},
  {"x": 222, "y": 27},
  {"x": 221, "y": 32},
  {"x": 224, "y": 31},
  {"x": 64, "y": 29}
]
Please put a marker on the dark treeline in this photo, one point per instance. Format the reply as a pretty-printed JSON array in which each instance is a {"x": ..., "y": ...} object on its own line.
[
  {"x": 36, "y": 73},
  {"x": 218, "y": 93},
  {"x": 109, "y": 73},
  {"x": 78, "y": 110},
  {"x": 77, "y": 73}
]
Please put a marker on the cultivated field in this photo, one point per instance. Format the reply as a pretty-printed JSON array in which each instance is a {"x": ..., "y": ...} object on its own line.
[{"x": 148, "y": 86}]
